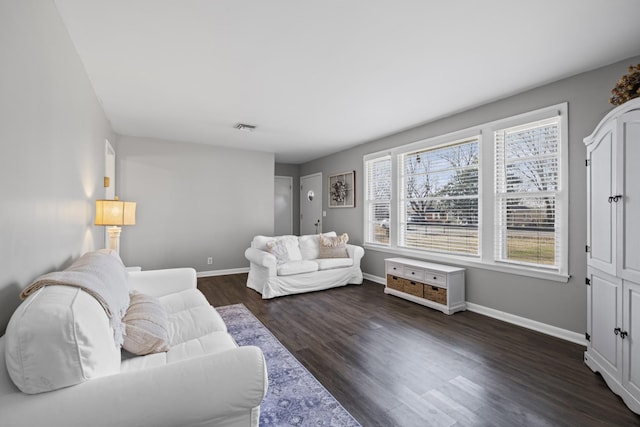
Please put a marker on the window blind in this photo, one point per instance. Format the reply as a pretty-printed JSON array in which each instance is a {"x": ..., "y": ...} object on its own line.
[
  {"x": 378, "y": 199},
  {"x": 527, "y": 168},
  {"x": 439, "y": 198}
]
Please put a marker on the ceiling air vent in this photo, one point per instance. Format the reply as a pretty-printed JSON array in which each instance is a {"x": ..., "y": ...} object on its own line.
[{"x": 245, "y": 127}]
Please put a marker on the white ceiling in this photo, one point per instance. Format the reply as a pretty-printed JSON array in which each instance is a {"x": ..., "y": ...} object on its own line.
[{"x": 317, "y": 77}]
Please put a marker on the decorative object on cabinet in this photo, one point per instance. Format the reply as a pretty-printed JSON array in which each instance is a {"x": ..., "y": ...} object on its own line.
[
  {"x": 628, "y": 87},
  {"x": 114, "y": 214},
  {"x": 342, "y": 190},
  {"x": 433, "y": 285},
  {"x": 613, "y": 251}
]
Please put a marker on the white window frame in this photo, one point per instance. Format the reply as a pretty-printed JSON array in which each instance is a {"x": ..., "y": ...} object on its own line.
[
  {"x": 486, "y": 197},
  {"x": 402, "y": 197},
  {"x": 369, "y": 201}
]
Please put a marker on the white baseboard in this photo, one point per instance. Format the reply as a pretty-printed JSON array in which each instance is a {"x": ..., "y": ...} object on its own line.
[
  {"x": 544, "y": 328},
  {"x": 554, "y": 331},
  {"x": 212, "y": 273},
  {"x": 377, "y": 279}
]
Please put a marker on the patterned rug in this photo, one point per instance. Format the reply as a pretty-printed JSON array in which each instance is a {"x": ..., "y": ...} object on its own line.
[{"x": 295, "y": 397}]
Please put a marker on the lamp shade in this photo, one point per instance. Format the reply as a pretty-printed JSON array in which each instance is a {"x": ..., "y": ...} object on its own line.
[{"x": 115, "y": 212}]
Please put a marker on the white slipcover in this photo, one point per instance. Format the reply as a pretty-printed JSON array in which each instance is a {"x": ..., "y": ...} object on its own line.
[
  {"x": 273, "y": 280},
  {"x": 203, "y": 380}
]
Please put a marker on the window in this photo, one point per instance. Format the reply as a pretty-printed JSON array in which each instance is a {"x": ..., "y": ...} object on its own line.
[
  {"x": 439, "y": 198},
  {"x": 527, "y": 168},
  {"x": 492, "y": 196},
  {"x": 378, "y": 199}
]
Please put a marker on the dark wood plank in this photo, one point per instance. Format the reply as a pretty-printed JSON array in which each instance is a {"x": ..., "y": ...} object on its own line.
[{"x": 394, "y": 363}]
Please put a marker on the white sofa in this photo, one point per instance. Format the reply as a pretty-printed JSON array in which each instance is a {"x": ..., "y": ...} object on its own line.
[
  {"x": 304, "y": 270},
  {"x": 204, "y": 379}
]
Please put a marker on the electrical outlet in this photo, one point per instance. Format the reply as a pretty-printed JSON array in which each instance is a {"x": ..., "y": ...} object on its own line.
[{"x": 210, "y": 260}]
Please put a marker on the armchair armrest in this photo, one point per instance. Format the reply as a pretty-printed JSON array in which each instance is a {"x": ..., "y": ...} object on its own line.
[
  {"x": 202, "y": 391},
  {"x": 162, "y": 282}
]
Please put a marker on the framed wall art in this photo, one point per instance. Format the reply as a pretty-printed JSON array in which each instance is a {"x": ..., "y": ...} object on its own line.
[{"x": 342, "y": 190}]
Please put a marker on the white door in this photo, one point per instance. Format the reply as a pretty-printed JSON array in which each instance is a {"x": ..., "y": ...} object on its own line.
[
  {"x": 311, "y": 204},
  {"x": 109, "y": 178},
  {"x": 283, "y": 206}
]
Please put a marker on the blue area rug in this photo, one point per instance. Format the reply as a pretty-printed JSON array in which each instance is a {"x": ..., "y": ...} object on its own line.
[{"x": 295, "y": 397}]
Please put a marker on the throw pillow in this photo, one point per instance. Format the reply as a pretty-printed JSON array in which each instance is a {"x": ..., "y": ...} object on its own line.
[
  {"x": 147, "y": 326},
  {"x": 279, "y": 249},
  {"x": 334, "y": 247}
]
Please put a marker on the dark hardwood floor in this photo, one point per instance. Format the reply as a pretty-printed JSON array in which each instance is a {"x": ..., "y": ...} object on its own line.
[{"x": 391, "y": 362}]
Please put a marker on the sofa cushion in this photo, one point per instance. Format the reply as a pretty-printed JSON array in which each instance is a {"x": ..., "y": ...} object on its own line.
[
  {"x": 334, "y": 247},
  {"x": 329, "y": 263},
  {"x": 291, "y": 242},
  {"x": 297, "y": 267},
  {"x": 58, "y": 337},
  {"x": 183, "y": 300},
  {"x": 310, "y": 244},
  {"x": 213, "y": 342},
  {"x": 193, "y": 323},
  {"x": 146, "y": 326}
]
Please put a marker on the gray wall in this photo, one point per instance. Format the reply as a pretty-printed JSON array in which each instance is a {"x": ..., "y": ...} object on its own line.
[
  {"x": 52, "y": 132},
  {"x": 194, "y": 201},
  {"x": 285, "y": 169},
  {"x": 559, "y": 304}
]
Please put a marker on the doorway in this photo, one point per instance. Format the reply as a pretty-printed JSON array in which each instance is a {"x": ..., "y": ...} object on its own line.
[
  {"x": 283, "y": 206},
  {"x": 311, "y": 204}
]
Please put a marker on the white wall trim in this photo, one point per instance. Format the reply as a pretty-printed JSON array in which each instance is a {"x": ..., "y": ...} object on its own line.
[
  {"x": 534, "y": 325},
  {"x": 213, "y": 273},
  {"x": 377, "y": 279}
]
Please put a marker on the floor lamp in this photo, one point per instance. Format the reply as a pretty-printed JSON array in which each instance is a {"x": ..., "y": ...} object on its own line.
[{"x": 114, "y": 214}]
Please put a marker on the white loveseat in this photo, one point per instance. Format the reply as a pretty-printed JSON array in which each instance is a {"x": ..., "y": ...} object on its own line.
[
  {"x": 204, "y": 379},
  {"x": 303, "y": 268}
]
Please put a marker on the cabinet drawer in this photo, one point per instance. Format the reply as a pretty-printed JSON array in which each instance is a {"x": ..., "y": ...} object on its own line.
[
  {"x": 395, "y": 268},
  {"x": 434, "y": 278},
  {"x": 413, "y": 273},
  {"x": 414, "y": 288},
  {"x": 435, "y": 294},
  {"x": 395, "y": 282}
]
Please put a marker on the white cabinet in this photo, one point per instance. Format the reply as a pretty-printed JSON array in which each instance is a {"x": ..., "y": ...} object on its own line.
[
  {"x": 613, "y": 251},
  {"x": 433, "y": 285}
]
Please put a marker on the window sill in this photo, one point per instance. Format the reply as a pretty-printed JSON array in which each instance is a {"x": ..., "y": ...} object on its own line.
[{"x": 467, "y": 262}]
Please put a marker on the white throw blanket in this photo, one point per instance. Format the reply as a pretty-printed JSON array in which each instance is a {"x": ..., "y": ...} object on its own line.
[{"x": 102, "y": 275}]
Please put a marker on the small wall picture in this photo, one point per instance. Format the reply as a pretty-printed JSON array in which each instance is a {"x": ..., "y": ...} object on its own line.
[{"x": 342, "y": 190}]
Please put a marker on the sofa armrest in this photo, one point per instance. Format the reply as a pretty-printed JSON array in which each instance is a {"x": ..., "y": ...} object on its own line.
[
  {"x": 202, "y": 391},
  {"x": 262, "y": 258},
  {"x": 356, "y": 253},
  {"x": 162, "y": 282}
]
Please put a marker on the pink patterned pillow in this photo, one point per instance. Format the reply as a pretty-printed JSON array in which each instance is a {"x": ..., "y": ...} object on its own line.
[
  {"x": 334, "y": 247},
  {"x": 279, "y": 249}
]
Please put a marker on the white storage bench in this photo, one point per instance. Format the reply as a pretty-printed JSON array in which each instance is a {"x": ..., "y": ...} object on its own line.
[{"x": 433, "y": 285}]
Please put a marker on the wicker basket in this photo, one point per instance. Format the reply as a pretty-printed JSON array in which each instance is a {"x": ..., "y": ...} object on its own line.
[
  {"x": 413, "y": 288},
  {"x": 395, "y": 282},
  {"x": 435, "y": 294}
]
